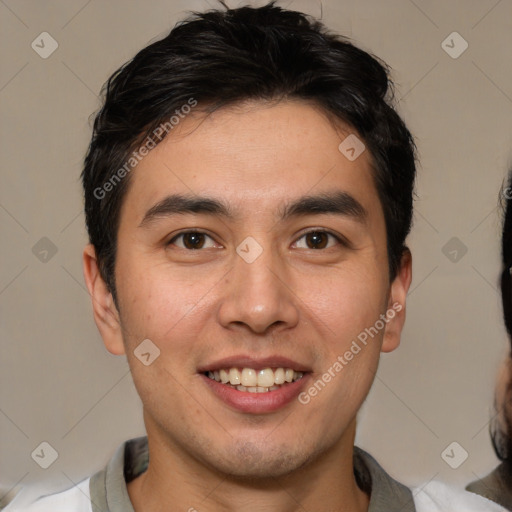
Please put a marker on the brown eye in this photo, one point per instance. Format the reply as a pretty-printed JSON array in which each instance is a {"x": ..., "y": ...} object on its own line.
[
  {"x": 191, "y": 240},
  {"x": 318, "y": 240}
]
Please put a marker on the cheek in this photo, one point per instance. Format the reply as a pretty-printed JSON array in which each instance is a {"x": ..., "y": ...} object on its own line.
[
  {"x": 346, "y": 300},
  {"x": 160, "y": 302}
]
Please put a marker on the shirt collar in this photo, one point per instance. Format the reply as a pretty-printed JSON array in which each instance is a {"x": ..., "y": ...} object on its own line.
[
  {"x": 495, "y": 486},
  {"x": 109, "y": 492}
]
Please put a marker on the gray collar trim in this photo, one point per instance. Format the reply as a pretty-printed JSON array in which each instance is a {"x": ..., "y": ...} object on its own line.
[
  {"x": 109, "y": 492},
  {"x": 108, "y": 487},
  {"x": 495, "y": 486},
  {"x": 386, "y": 494}
]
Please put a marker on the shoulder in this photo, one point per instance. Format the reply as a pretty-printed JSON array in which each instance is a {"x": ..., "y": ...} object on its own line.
[
  {"x": 495, "y": 486},
  {"x": 439, "y": 497},
  {"x": 77, "y": 499}
]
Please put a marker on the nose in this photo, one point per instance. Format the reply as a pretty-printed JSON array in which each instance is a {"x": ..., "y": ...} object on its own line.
[{"x": 259, "y": 296}]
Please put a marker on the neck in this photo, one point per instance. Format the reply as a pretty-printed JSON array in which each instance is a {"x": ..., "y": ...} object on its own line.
[{"x": 326, "y": 483}]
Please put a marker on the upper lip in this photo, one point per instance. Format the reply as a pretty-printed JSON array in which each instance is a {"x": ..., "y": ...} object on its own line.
[{"x": 244, "y": 361}]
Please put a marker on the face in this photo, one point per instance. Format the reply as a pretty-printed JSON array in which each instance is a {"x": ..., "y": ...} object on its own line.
[
  {"x": 502, "y": 390},
  {"x": 272, "y": 271}
]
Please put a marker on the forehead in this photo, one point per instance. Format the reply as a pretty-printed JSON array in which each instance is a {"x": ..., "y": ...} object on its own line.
[{"x": 255, "y": 155}]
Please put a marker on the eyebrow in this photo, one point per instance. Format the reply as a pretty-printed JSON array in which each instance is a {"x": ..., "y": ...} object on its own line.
[{"x": 337, "y": 203}]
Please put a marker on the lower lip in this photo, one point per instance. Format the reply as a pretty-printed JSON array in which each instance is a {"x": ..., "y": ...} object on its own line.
[{"x": 257, "y": 403}]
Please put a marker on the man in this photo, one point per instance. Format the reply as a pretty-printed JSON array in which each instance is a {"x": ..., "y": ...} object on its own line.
[
  {"x": 497, "y": 485},
  {"x": 248, "y": 192}
]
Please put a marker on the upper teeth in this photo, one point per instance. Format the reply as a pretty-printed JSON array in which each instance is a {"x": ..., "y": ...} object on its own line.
[{"x": 249, "y": 377}]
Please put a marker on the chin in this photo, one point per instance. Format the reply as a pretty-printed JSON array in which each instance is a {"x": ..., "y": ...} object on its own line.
[{"x": 258, "y": 462}]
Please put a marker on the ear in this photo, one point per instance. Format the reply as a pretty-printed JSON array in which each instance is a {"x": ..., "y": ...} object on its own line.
[
  {"x": 396, "y": 303},
  {"x": 105, "y": 312}
]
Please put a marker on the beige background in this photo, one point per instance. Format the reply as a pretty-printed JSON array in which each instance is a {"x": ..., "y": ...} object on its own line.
[{"x": 58, "y": 383}]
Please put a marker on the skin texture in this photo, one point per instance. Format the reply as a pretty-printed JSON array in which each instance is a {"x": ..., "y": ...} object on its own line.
[
  {"x": 502, "y": 385},
  {"x": 294, "y": 300}
]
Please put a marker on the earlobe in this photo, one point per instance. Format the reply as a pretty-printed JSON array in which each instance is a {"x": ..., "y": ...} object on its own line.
[
  {"x": 396, "y": 303},
  {"x": 105, "y": 312}
]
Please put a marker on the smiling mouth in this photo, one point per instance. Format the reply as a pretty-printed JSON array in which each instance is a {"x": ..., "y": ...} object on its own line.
[{"x": 255, "y": 381}]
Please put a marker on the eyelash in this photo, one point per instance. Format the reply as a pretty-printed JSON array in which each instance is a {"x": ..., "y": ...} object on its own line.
[{"x": 339, "y": 239}]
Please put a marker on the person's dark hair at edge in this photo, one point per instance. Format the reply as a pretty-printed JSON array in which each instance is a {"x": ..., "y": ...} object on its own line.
[
  {"x": 222, "y": 57},
  {"x": 501, "y": 435}
]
